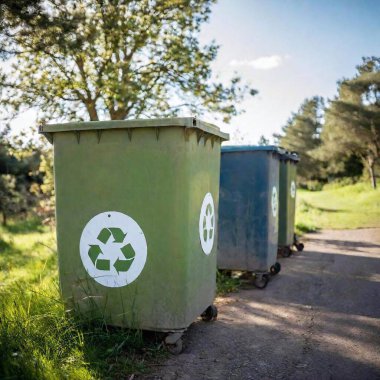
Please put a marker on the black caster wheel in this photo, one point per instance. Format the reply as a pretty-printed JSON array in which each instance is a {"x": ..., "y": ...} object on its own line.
[
  {"x": 300, "y": 247},
  {"x": 210, "y": 314},
  {"x": 286, "y": 251},
  {"x": 261, "y": 281},
  {"x": 174, "y": 343},
  {"x": 274, "y": 269},
  {"x": 176, "y": 348}
]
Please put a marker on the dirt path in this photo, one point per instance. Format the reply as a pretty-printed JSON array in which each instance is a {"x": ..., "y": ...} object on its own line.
[{"x": 318, "y": 319}]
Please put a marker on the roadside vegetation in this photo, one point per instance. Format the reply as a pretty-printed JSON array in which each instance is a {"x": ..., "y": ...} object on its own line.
[
  {"x": 338, "y": 207},
  {"x": 38, "y": 338}
]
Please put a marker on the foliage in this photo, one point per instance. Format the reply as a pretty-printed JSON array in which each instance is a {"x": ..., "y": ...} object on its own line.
[
  {"x": 301, "y": 134},
  {"x": 38, "y": 338},
  {"x": 338, "y": 207},
  {"x": 118, "y": 59},
  {"x": 21, "y": 16},
  {"x": 263, "y": 141},
  {"x": 12, "y": 198},
  {"x": 17, "y": 176},
  {"x": 352, "y": 125}
]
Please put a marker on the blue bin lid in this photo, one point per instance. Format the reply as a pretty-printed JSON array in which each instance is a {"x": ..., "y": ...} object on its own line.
[{"x": 252, "y": 148}]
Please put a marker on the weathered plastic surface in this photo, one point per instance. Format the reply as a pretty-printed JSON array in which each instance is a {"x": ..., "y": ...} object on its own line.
[
  {"x": 248, "y": 208},
  {"x": 287, "y": 198},
  {"x": 157, "y": 173}
]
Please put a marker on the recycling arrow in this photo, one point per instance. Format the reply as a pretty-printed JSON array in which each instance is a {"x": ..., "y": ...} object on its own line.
[
  {"x": 208, "y": 224},
  {"x": 118, "y": 235},
  {"x": 106, "y": 233},
  {"x": 94, "y": 252},
  {"x": 122, "y": 265},
  {"x": 101, "y": 264}
]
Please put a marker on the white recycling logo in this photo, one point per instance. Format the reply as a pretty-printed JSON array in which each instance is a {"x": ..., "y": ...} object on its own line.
[
  {"x": 113, "y": 249},
  {"x": 293, "y": 189},
  {"x": 207, "y": 224},
  {"x": 274, "y": 201}
]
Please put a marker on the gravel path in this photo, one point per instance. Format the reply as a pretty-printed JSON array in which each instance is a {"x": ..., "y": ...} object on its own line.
[{"x": 318, "y": 319}]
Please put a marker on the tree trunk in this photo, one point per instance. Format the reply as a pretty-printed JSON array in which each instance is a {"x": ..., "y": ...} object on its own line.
[
  {"x": 91, "y": 109},
  {"x": 372, "y": 173},
  {"x": 4, "y": 218}
]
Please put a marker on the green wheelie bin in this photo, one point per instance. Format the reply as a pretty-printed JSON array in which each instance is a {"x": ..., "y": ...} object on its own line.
[
  {"x": 287, "y": 204},
  {"x": 136, "y": 213}
]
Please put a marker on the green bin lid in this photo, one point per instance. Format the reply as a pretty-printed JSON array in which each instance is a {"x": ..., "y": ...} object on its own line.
[
  {"x": 291, "y": 156},
  {"x": 186, "y": 122}
]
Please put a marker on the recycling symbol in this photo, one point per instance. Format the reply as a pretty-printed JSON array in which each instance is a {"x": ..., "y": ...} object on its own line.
[
  {"x": 207, "y": 224},
  {"x": 121, "y": 265},
  {"x": 113, "y": 249},
  {"x": 274, "y": 201},
  {"x": 293, "y": 189}
]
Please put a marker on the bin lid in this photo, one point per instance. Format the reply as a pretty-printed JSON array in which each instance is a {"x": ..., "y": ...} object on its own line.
[
  {"x": 291, "y": 156},
  {"x": 186, "y": 122},
  {"x": 251, "y": 148}
]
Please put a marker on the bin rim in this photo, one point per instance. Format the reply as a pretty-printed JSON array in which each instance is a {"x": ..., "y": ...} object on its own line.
[
  {"x": 252, "y": 148},
  {"x": 292, "y": 156},
  {"x": 186, "y": 122}
]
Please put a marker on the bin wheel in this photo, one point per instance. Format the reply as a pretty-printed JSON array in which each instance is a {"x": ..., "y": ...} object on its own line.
[
  {"x": 261, "y": 281},
  {"x": 176, "y": 348},
  {"x": 300, "y": 247},
  {"x": 210, "y": 314},
  {"x": 274, "y": 269},
  {"x": 286, "y": 251}
]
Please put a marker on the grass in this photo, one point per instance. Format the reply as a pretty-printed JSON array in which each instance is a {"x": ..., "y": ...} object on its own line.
[
  {"x": 338, "y": 207},
  {"x": 38, "y": 339},
  {"x": 226, "y": 283}
]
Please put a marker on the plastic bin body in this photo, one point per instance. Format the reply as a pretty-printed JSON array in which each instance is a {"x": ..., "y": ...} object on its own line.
[
  {"x": 156, "y": 172},
  {"x": 287, "y": 199},
  {"x": 248, "y": 208}
]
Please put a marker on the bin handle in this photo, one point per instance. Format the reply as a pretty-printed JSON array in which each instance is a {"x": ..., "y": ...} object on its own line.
[{"x": 99, "y": 134}]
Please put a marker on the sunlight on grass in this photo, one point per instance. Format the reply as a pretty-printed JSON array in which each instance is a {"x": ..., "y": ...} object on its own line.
[{"x": 353, "y": 206}]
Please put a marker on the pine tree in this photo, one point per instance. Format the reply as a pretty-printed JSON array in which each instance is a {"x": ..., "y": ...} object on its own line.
[
  {"x": 301, "y": 134},
  {"x": 352, "y": 123}
]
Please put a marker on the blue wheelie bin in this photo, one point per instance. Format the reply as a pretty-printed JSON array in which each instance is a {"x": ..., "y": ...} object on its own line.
[{"x": 248, "y": 211}]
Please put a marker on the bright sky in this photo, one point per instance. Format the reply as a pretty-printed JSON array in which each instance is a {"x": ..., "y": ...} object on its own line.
[{"x": 289, "y": 50}]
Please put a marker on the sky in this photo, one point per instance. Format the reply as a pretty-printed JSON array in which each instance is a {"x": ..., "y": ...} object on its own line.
[{"x": 288, "y": 50}]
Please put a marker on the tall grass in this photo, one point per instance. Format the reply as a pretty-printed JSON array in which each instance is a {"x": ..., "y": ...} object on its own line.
[{"x": 38, "y": 338}]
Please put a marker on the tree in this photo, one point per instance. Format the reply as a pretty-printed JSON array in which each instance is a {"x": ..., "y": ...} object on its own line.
[
  {"x": 19, "y": 17},
  {"x": 118, "y": 59},
  {"x": 301, "y": 134},
  {"x": 263, "y": 141},
  {"x": 352, "y": 125}
]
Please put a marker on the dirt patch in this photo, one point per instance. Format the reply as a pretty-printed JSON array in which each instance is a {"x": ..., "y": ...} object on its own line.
[{"x": 318, "y": 319}]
